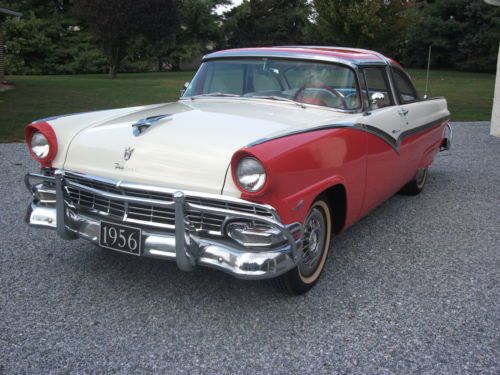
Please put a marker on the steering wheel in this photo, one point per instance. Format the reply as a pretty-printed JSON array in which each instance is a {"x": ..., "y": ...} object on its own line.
[{"x": 331, "y": 90}]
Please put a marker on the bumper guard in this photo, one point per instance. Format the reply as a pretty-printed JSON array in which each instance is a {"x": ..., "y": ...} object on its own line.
[{"x": 184, "y": 244}]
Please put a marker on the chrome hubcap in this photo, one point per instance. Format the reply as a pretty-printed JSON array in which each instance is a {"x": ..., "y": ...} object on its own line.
[{"x": 314, "y": 241}]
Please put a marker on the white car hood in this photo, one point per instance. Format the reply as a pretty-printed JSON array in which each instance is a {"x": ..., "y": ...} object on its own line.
[{"x": 192, "y": 150}]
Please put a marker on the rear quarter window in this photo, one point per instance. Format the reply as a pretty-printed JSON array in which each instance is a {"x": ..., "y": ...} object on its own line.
[{"x": 404, "y": 87}]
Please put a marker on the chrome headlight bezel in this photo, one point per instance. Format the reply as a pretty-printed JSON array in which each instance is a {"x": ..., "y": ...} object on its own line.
[{"x": 251, "y": 175}]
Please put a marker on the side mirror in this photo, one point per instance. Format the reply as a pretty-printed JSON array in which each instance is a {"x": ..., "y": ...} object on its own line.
[
  {"x": 184, "y": 88},
  {"x": 376, "y": 100}
]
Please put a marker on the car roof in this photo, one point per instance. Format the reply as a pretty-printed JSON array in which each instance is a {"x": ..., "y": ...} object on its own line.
[{"x": 345, "y": 55}]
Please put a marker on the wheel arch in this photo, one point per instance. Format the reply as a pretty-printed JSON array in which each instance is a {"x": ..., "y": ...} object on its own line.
[{"x": 336, "y": 196}]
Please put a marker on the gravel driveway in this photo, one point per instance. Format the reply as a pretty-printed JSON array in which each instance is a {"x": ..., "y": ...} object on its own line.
[{"x": 412, "y": 288}]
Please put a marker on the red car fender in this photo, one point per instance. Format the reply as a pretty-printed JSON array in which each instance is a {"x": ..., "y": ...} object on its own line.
[{"x": 302, "y": 166}]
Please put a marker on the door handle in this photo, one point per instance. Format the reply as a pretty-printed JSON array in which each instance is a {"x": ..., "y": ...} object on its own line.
[{"x": 403, "y": 111}]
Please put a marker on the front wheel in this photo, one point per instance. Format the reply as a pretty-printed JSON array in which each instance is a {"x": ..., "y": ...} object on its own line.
[{"x": 316, "y": 243}]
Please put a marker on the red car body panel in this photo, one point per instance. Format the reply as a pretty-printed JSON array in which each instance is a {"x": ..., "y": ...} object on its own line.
[{"x": 370, "y": 169}]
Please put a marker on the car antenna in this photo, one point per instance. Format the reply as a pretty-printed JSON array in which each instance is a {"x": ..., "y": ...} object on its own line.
[{"x": 428, "y": 68}]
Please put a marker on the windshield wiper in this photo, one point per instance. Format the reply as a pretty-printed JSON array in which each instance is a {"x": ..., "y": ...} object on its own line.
[
  {"x": 280, "y": 98},
  {"x": 215, "y": 94}
]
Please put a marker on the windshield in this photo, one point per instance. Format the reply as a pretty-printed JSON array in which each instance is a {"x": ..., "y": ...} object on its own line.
[{"x": 322, "y": 84}]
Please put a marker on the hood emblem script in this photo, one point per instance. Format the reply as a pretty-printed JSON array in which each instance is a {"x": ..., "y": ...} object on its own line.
[
  {"x": 145, "y": 123},
  {"x": 127, "y": 154}
]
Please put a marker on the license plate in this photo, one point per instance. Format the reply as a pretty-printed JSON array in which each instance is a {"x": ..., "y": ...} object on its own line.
[{"x": 120, "y": 238}]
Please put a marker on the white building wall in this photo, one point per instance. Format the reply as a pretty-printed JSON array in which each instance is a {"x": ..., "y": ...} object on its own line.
[{"x": 495, "y": 115}]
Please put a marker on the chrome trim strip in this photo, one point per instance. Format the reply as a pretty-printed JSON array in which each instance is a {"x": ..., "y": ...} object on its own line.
[
  {"x": 270, "y": 101},
  {"x": 275, "y": 54},
  {"x": 358, "y": 126},
  {"x": 345, "y": 49},
  {"x": 380, "y": 134},
  {"x": 423, "y": 127},
  {"x": 301, "y": 131},
  {"x": 303, "y": 56}
]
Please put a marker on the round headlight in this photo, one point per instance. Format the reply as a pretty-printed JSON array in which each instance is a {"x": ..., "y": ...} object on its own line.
[
  {"x": 250, "y": 174},
  {"x": 39, "y": 145}
]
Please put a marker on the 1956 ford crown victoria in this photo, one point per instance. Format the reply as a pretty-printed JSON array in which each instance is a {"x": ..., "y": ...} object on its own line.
[{"x": 268, "y": 152}]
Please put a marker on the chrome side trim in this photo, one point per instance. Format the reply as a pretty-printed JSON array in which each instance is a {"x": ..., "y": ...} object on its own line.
[
  {"x": 301, "y": 131},
  {"x": 394, "y": 143}
]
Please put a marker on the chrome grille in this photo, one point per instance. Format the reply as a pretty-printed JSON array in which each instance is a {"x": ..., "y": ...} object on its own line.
[{"x": 146, "y": 214}]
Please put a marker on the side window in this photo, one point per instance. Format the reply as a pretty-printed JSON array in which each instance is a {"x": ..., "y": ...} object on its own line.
[
  {"x": 377, "y": 82},
  {"x": 406, "y": 90}
]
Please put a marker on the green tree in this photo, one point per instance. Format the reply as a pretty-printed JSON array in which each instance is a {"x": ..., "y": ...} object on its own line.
[
  {"x": 46, "y": 40},
  {"x": 115, "y": 23},
  {"x": 267, "y": 23},
  {"x": 199, "y": 31},
  {"x": 372, "y": 24},
  {"x": 464, "y": 35}
]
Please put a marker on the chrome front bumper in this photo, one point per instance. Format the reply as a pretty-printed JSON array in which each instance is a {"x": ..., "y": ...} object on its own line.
[{"x": 189, "y": 247}]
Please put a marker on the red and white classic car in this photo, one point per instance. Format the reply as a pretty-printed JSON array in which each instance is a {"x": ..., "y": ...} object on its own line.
[{"x": 266, "y": 155}]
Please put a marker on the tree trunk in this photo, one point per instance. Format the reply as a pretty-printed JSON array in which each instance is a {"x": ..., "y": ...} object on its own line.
[
  {"x": 115, "y": 59},
  {"x": 176, "y": 64},
  {"x": 112, "y": 71}
]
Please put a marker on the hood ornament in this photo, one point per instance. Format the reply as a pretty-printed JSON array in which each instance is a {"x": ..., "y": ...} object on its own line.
[
  {"x": 127, "y": 154},
  {"x": 145, "y": 123}
]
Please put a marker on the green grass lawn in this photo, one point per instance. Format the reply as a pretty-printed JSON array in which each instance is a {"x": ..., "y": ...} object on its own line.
[
  {"x": 470, "y": 95},
  {"x": 36, "y": 97}
]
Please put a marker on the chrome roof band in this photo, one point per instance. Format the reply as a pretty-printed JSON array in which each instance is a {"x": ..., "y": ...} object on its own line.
[{"x": 277, "y": 54}]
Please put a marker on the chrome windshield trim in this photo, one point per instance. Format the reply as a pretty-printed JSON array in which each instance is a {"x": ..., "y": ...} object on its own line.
[{"x": 271, "y": 101}]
